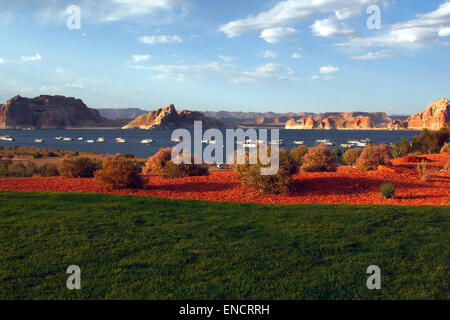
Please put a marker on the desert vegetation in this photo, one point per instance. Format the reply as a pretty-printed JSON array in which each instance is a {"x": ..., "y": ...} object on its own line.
[
  {"x": 78, "y": 167},
  {"x": 373, "y": 156},
  {"x": 118, "y": 172},
  {"x": 319, "y": 159}
]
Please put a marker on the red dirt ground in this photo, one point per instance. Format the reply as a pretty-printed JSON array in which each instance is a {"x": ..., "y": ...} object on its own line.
[{"x": 347, "y": 185}]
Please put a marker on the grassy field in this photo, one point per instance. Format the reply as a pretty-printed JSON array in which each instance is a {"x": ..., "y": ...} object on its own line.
[{"x": 133, "y": 247}]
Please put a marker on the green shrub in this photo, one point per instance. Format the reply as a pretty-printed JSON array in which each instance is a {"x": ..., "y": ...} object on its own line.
[
  {"x": 401, "y": 148},
  {"x": 78, "y": 167},
  {"x": 4, "y": 165},
  {"x": 49, "y": 170},
  {"x": 278, "y": 183},
  {"x": 319, "y": 159},
  {"x": 288, "y": 162},
  {"x": 423, "y": 171},
  {"x": 172, "y": 171},
  {"x": 37, "y": 155},
  {"x": 297, "y": 155},
  {"x": 351, "y": 156},
  {"x": 387, "y": 190},
  {"x": 119, "y": 173},
  {"x": 19, "y": 170},
  {"x": 373, "y": 156}
]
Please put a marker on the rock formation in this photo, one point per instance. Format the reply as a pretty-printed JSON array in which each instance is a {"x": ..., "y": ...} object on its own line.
[
  {"x": 332, "y": 122},
  {"x": 434, "y": 117},
  {"x": 169, "y": 118},
  {"x": 48, "y": 112}
]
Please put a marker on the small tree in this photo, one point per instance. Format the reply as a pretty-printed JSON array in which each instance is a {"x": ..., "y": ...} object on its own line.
[
  {"x": 374, "y": 156},
  {"x": 297, "y": 155},
  {"x": 119, "y": 173},
  {"x": 387, "y": 190},
  {"x": 319, "y": 159}
]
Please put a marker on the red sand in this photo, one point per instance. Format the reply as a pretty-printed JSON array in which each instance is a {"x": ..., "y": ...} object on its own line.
[{"x": 347, "y": 185}]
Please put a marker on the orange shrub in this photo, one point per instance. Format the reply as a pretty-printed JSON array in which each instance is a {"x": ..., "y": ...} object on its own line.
[
  {"x": 373, "y": 156},
  {"x": 447, "y": 165},
  {"x": 119, "y": 173},
  {"x": 319, "y": 159},
  {"x": 159, "y": 161}
]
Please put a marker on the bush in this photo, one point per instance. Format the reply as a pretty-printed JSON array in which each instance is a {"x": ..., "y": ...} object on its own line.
[
  {"x": 387, "y": 190},
  {"x": 351, "y": 156},
  {"x": 447, "y": 165},
  {"x": 373, "y": 156},
  {"x": 319, "y": 159},
  {"x": 297, "y": 155},
  {"x": 445, "y": 147},
  {"x": 52, "y": 155},
  {"x": 423, "y": 171},
  {"x": 119, "y": 173},
  {"x": 288, "y": 162},
  {"x": 4, "y": 165},
  {"x": 277, "y": 183},
  {"x": 37, "y": 155},
  {"x": 401, "y": 148},
  {"x": 19, "y": 170},
  {"x": 172, "y": 171},
  {"x": 82, "y": 167},
  {"x": 159, "y": 161},
  {"x": 430, "y": 142},
  {"x": 48, "y": 170}
]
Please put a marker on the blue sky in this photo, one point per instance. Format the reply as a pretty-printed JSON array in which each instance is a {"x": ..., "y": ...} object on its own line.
[{"x": 252, "y": 55}]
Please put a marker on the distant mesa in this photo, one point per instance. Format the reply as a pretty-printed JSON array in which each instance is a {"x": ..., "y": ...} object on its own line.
[
  {"x": 48, "y": 112},
  {"x": 120, "y": 114},
  {"x": 169, "y": 118},
  {"x": 434, "y": 117}
]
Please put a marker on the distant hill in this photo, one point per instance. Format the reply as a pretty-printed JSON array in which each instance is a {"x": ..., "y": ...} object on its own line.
[
  {"x": 128, "y": 113},
  {"x": 49, "y": 112},
  {"x": 170, "y": 118}
]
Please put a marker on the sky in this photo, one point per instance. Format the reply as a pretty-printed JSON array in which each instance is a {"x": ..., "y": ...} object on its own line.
[{"x": 253, "y": 55}]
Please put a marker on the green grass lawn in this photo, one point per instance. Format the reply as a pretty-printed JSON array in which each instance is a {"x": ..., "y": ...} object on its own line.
[{"x": 131, "y": 247}]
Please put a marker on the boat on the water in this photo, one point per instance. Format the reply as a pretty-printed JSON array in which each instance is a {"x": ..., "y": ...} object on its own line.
[
  {"x": 177, "y": 140},
  {"x": 209, "y": 141},
  {"x": 249, "y": 145},
  {"x": 121, "y": 140},
  {"x": 6, "y": 138},
  {"x": 277, "y": 142},
  {"x": 299, "y": 142},
  {"x": 58, "y": 138},
  {"x": 146, "y": 141},
  {"x": 326, "y": 142},
  {"x": 101, "y": 140},
  {"x": 39, "y": 140},
  {"x": 90, "y": 141},
  {"x": 67, "y": 139},
  {"x": 80, "y": 139}
]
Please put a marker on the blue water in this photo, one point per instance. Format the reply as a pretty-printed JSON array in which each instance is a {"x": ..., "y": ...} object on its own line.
[{"x": 162, "y": 139}]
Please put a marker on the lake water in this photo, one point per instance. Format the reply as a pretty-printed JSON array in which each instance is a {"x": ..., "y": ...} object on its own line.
[{"x": 162, "y": 139}]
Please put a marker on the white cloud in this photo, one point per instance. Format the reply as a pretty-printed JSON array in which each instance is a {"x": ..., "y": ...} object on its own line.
[
  {"x": 425, "y": 30},
  {"x": 376, "y": 55},
  {"x": 296, "y": 55},
  {"x": 291, "y": 12},
  {"x": 329, "y": 69},
  {"x": 227, "y": 59},
  {"x": 160, "y": 39},
  {"x": 137, "y": 58},
  {"x": 2, "y": 60},
  {"x": 264, "y": 73},
  {"x": 60, "y": 88},
  {"x": 331, "y": 27},
  {"x": 276, "y": 35},
  {"x": 37, "y": 57},
  {"x": 268, "y": 54}
]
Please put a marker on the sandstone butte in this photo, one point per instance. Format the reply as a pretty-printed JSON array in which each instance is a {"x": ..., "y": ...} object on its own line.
[
  {"x": 434, "y": 117},
  {"x": 48, "y": 112},
  {"x": 169, "y": 118}
]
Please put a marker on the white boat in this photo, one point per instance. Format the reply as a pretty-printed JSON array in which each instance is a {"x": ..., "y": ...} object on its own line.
[
  {"x": 209, "y": 141},
  {"x": 7, "y": 138},
  {"x": 121, "y": 140},
  {"x": 346, "y": 145},
  {"x": 67, "y": 139},
  {"x": 39, "y": 140},
  {"x": 90, "y": 141},
  {"x": 277, "y": 142},
  {"x": 146, "y": 141},
  {"x": 326, "y": 142},
  {"x": 177, "y": 140},
  {"x": 299, "y": 142},
  {"x": 249, "y": 145},
  {"x": 58, "y": 138},
  {"x": 101, "y": 140},
  {"x": 80, "y": 139}
]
